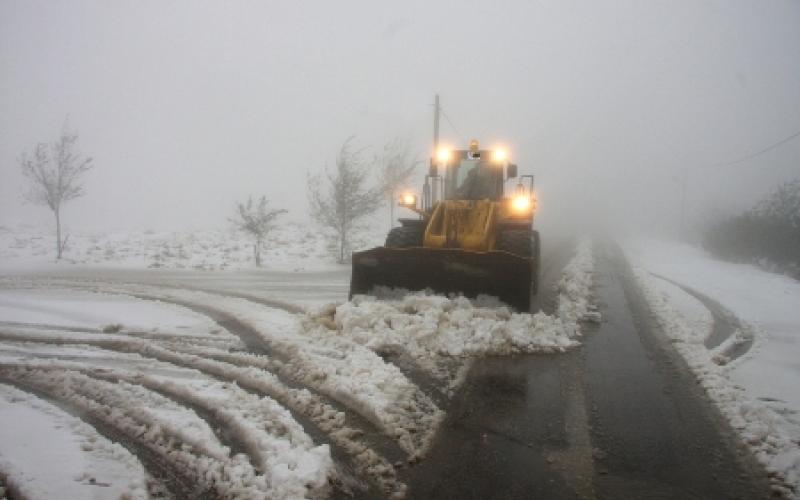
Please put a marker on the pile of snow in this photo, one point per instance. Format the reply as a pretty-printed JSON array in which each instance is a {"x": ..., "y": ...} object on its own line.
[
  {"x": 426, "y": 325},
  {"x": 429, "y": 325},
  {"x": 756, "y": 392},
  {"x": 289, "y": 247}
]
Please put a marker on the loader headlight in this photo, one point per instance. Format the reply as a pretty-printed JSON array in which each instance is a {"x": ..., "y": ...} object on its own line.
[
  {"x": 521, "y": 203},
  {"x": 443, "y": 155},
  {"x": 408, "y": 200},
  {"x": 500, "y": 155}
]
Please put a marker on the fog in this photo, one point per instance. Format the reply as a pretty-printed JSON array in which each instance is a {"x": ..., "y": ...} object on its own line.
[{"x": 187, "y": 107}]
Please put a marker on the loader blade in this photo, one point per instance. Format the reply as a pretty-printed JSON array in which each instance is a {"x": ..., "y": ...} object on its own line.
[{"x": 504, "y": 275}]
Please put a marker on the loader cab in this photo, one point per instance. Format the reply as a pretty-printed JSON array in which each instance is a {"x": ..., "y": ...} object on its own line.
[
  {"x": 466, "y": 174},
  {"x": 473, "y": 176}
]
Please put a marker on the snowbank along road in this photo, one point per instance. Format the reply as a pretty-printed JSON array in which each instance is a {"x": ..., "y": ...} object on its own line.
[{"x": 267, "y": 385}]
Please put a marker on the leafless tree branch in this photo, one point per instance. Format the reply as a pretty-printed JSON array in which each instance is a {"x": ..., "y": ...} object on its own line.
[
  {"x": 54, "y": 174},
  {"x": 257, "y": 221},
  {"x": 340, "y": 199}
]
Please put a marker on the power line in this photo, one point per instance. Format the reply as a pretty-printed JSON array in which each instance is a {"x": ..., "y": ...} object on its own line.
[
  {"x": 757, "y": 153},
  {"x": 446, "y": 117}
]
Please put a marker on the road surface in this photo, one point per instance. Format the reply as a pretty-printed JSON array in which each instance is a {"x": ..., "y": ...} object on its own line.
[{"x": 620, "y": 417}]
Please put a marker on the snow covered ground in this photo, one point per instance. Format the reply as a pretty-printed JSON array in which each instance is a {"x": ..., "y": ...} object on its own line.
[
  {"x": 47, "y": 453},
  {"x": 739, "y": 329},
  {"x": 243, "y": 394},
  {"x": 290, "y": 247}
]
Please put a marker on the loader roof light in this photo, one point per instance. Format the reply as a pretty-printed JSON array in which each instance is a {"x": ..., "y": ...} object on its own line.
[
  {"x": 443, "y": 154},
  {"x": 474, "y": 146},
  {"x": 500, "y": 155},
  {"x": 521, "y": 203}
]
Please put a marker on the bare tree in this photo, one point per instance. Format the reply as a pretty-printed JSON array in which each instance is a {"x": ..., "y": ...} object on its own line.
[
  {"x": 341, "y": 199},
  {"x": 397, "y": 166},
  {"x": 257, "y": 221},
  {"x": 54, "y": 173}
]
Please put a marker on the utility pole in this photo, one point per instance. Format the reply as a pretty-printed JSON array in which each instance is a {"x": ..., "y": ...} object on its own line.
[
  {"x": 684, "y": 183},
  {"x": 436, "y": 111}
]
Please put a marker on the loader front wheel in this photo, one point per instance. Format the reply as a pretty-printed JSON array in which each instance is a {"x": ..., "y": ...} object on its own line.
[{"x": 404, "y": 237}]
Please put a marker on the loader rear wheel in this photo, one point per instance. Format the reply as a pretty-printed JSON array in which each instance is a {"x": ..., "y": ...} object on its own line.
[
  {"x": 404, "y": 237},
  {"x": 525, "y": 243}
]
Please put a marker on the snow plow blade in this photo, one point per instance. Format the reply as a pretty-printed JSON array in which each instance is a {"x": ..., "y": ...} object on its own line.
[{"x": 500, "y": 274}]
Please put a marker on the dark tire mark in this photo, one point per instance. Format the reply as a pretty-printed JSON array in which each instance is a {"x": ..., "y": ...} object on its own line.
[
  {"x": 408, "y": 366},
  {"x": 178, "y": 483}
]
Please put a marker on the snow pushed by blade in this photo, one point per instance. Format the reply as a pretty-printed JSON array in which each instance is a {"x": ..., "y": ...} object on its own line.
[{"x": 433, "y": 325}]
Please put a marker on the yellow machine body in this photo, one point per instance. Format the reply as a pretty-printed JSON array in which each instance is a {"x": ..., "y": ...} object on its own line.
[{"x": 473, "y": 240}]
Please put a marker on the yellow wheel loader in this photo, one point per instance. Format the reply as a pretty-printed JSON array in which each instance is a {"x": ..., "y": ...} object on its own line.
[{"x": 469, "y": 236}]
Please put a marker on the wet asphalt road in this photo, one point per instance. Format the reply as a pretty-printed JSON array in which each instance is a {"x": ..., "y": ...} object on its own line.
[{"x": 618, "y": 418}]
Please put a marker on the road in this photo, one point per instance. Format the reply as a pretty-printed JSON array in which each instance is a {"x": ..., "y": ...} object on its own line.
[{"x": 618, "y": 417}]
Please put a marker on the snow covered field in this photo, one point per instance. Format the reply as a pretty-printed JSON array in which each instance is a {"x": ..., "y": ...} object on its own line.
[
  {"x": 236, "y": 394},
  {"x": 739, "y": 329},
  {"x": 290, "y": 247}
]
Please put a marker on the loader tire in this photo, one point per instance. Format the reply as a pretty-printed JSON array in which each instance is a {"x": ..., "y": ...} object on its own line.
[
  {"x": 525, "y": 243},
  {"x": 404, "y": 237}
]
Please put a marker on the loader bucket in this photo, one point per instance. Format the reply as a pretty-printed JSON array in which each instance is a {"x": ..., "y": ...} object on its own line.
[{"x": 446, "y": 270}]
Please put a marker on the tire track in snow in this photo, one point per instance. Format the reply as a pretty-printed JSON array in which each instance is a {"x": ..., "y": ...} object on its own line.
[
  {"x": 376, "y": 439},
  {"x": 167, "y": 474},
  {"x": 149, "y": 419},
  {"x": 399, "y": 358},
  {"x": 256, "y": 344},
  {"x": 227, "y": 436},
  {"x": 240, "y": 436},
  {"x": 729, "y": 334},
  {"x": 274, "y": 303},
  {"x": 285, "y": 369},
  {"x": 408, "y": 435},
  {"x": 164, "y": 337},
  {"x": 370, "y": 432},
  {"x": 322, "y": 422},
  {"x": 229, "y": 439}
]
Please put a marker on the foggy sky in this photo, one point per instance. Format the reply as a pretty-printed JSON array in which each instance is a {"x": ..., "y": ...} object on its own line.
[{"x": 189, "y": 106}]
